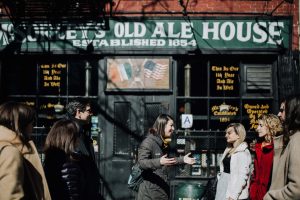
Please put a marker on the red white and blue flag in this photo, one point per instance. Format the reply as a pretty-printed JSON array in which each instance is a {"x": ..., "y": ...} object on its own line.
[{"x": 154, "y": 70}]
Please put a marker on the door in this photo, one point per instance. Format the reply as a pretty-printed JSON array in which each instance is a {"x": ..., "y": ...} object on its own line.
[{"x": 127, "y": 120}]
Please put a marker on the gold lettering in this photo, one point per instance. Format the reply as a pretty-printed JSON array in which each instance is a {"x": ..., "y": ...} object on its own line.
[
  {"x": 48, "y": 78},
  {"x": 229, "y": 75},
  {"x": 232, "y": 68},
  {"x": 216, "y": 68},
  {"x": 227, "y": 87},
  {"x": 220, "y": 81},
  {"x": 219, "y": 87},
  {"x": 56, "y": 78},
  {"x": 229, "y": 81},
  {"x": 45, "y": 66},
  {"x": 53, "y": 72},
  {"x": 55, "y": 84},
  {"x": 46, "y": 72},
  {"x": 225, "y": 68}
]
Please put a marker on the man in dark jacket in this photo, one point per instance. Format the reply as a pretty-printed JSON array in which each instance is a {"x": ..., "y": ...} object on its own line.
[{"x": 80, "y": 112}]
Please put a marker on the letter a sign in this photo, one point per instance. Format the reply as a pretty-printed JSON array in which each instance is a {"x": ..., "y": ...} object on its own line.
[{"x": 186, "y": 121}]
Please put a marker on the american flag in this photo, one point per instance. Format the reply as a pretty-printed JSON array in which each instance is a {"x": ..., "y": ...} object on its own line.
[{"x": 154, "y": 70}]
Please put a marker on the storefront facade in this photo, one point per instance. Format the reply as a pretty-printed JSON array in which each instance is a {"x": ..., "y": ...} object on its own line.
[{"x": 219, "y": 69}]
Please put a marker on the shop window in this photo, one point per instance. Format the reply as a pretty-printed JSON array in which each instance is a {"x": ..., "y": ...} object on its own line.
[
  {"x": 48, "y": 84},
  {"x": 19, "y": 77},
  {"x": 223, "y": 90}
]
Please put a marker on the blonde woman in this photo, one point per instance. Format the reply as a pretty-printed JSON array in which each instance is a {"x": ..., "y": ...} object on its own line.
[
  {"x": 269, "y": 125},
  {"x": 234, "y": 166}
]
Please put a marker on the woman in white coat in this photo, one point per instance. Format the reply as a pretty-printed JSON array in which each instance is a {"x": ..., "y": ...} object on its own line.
[{"x": 235, "y": 164}]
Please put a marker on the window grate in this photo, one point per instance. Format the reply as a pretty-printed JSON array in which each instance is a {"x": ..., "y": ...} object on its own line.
[{"x": 258, "y": 78}]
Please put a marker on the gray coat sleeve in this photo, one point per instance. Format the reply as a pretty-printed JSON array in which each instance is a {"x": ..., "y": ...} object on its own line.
[{"x": 147, "y": 158}]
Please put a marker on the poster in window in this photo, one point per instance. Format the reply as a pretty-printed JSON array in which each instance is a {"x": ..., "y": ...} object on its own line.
[
  {"x": 252, "y": 109},
  {"x": 138, "y": 74},
  {"x": 224, "y": 80},
  {"x": 52, "y": 77}
]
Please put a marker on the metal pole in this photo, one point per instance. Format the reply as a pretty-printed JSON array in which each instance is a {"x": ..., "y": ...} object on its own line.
[
  {"x": 87, "y": 78},
  {"x": 187, "y": 87},
  {"x": 187, "y": 110}
]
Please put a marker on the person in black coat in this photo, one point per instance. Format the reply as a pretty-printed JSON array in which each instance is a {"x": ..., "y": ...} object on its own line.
[
  {"x": 153, "y": 159},
  {"x": 80, "y": 112},
  {"x": 67, "y": 170}
]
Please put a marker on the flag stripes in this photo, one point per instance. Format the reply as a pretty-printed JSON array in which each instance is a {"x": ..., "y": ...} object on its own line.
[{"x": 154, "y": 70}]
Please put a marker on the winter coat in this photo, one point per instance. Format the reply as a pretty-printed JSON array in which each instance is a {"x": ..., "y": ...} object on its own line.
[
  {"x": 261, "y": 177},
  {"x": 86, "y": 150},
  {"x": 239, "y": 172},
  {"x": 21, "y": 172},
  {"x": 286, "y": 181},
  {"x": 155, "y": 185},
  {"x": 70, "y": 179}
]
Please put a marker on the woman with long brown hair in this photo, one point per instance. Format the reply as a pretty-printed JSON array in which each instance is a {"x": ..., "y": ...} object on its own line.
[
  {"x": 21, "y": 172},
  {"x": 67, "y": 169},
  {"x": 153, "y": 159}
]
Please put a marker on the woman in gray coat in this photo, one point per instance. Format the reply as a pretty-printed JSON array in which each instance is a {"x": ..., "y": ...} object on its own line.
[{"x": 153, "y": 159}]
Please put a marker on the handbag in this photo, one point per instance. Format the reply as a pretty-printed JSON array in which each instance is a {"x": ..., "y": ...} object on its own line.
[
  {"x": 211, "y": 189},
  {"x": 135, "y": 177}
]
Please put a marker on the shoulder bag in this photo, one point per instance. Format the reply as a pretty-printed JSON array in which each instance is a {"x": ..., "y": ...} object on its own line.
[{"x": 135, "y": 178}]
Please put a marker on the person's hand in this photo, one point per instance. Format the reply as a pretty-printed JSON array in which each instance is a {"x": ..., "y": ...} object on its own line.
[
  {"x": 164, "y": 160},
  {"x": 230, "y": 198},
  {"x": 189, "y": 160}
]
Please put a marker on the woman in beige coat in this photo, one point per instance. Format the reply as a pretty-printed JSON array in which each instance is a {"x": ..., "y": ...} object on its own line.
[
  {"x": 21, "y": 171},
  {"x": 285, "y": 176}
]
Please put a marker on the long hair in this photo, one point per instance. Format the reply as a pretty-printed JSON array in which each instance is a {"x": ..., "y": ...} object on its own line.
[
  {"x": 239, "y": 129},
  {"x": 273, "y": 123},
  {"x": 63, "y": 136},
  {"x": 160, "y": 124},
  {"x": 292, "y": 120},
  {"x": 16, "y": 117}
]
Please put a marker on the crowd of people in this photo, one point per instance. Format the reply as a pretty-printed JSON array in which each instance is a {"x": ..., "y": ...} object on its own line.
[
  {"x": 273, "y": 177},
  {"x": 69, "y": 170},
  {"x": 275, "y": 174}
]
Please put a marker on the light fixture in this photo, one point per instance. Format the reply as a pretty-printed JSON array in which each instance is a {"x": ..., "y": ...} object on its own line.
[
  {"x": 224, "y": 107},
  {"x": 58, "y": 107}
]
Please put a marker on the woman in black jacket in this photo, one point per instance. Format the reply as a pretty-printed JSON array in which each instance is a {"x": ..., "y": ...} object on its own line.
[
  {"x": 67, "y": 169},
  {"x": 153, "y": 159}
]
